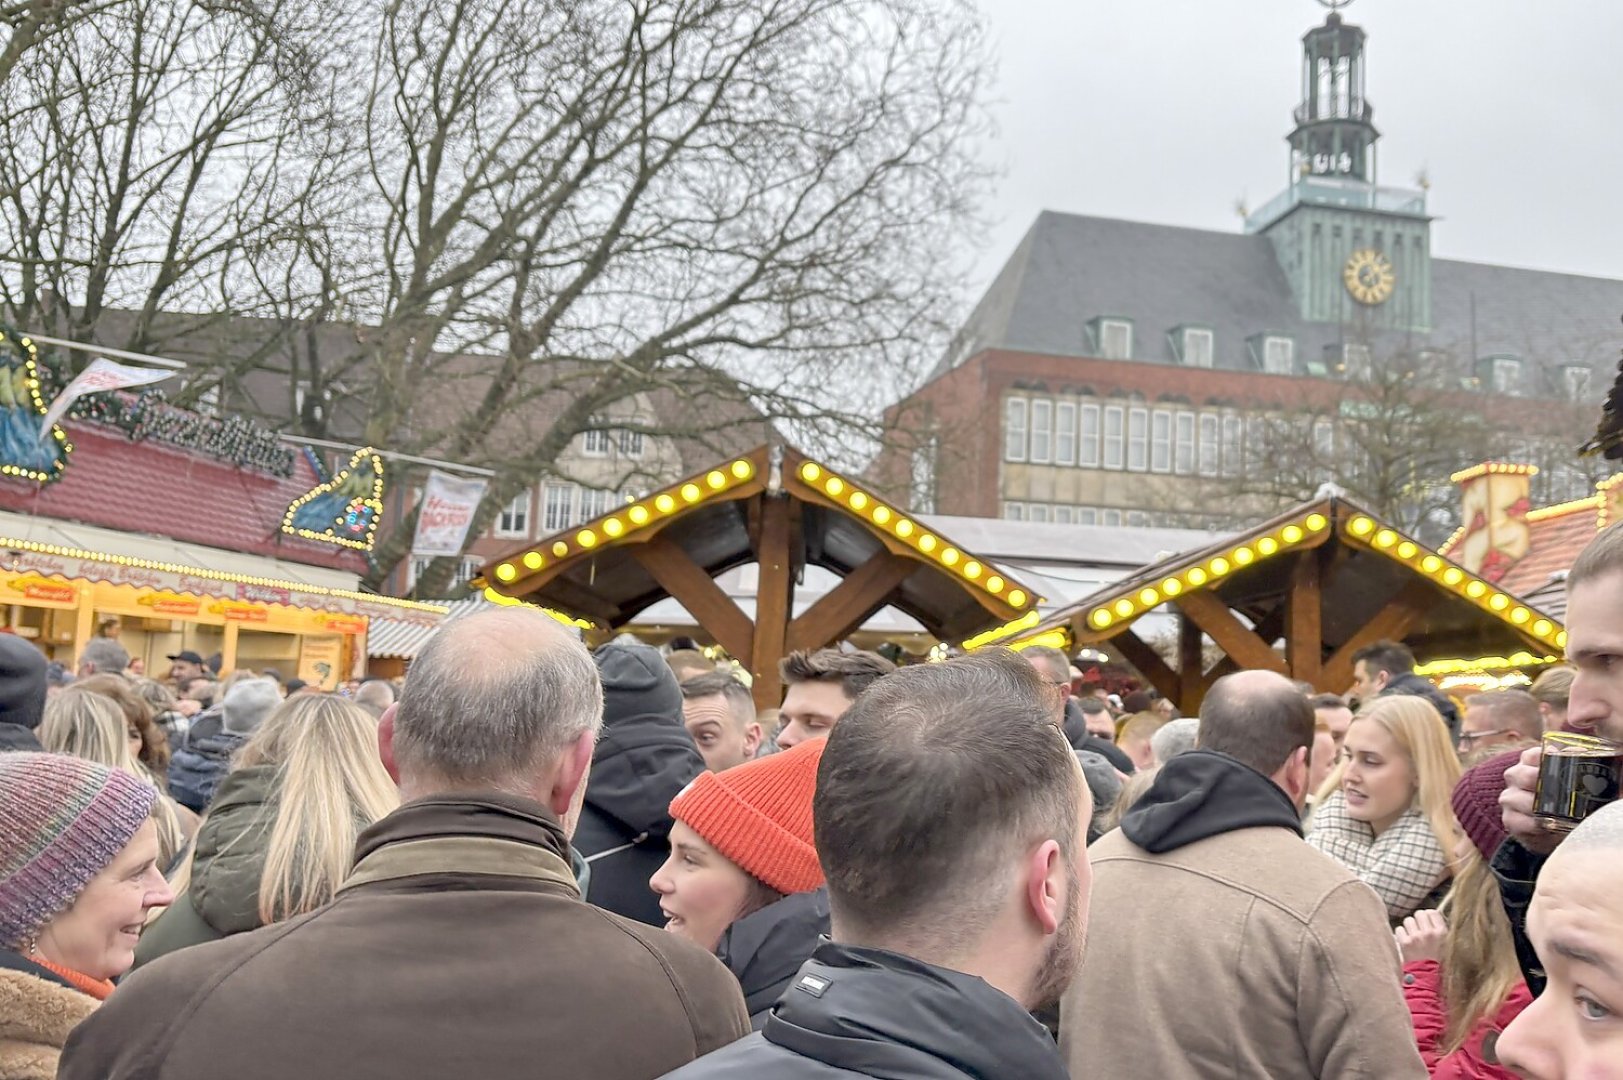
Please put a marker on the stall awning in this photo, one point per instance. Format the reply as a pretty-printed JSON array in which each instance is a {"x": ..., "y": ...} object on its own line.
[
  {"x": 53, "y": 548},
  {"x": 404, "y": 638}
]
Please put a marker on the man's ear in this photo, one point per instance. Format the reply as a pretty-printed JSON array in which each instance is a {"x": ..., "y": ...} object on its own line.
[
  {"x": 1297, "y": 770},
  {"x": 386, "y": 742},
  {"x": 1045, "y": 882},
  {"x": 573, "y": 765},
  {"x": 752, "y": 738}
]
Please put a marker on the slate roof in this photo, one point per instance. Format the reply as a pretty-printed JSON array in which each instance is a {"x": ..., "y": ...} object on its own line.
[{"x": 1071, "y": 268}]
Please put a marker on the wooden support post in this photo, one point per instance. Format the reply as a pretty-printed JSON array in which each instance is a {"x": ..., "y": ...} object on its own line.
[
  {"x": 695, "y": 590},
  {"x": 840, "y": 611},
  {"x": 1391, "y": 623},
  {"x": 1304, "y": 640},
  {"x": 1191, "y": 668},
  {"x": 774, "y": 601},
  {"x": 1148, "y": 662},
  {"x": 1231, "y": 635}
]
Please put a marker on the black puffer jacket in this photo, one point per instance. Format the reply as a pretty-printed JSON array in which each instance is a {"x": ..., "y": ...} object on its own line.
[
  {"x": 644, "y": 757},
  {"x": 1413, "y": 685},
  {"x": 866, "y": 1012},
  {"x": 765, "y": 949}
]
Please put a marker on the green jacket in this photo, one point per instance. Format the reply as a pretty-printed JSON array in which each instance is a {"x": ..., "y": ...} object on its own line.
[{"x": 223, "y": 897}]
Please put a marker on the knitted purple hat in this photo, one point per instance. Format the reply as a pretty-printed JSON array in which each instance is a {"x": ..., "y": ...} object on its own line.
[
  {"x": 1476, "y": 802},
  {"x": 62, "y": 821}
]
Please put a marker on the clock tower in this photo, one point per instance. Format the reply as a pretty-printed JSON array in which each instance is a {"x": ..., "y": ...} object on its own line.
[{"x": 1354, "y": 252}]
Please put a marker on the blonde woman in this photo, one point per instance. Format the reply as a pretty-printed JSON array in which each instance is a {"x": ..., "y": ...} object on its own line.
[
  {"x": 1387, "y": 816},
  {"x": 280, "y": 835},
  {"x": 89, "y": 725}
]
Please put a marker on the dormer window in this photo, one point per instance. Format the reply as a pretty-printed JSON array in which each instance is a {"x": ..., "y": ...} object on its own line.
[
  {"x": 1503, "y": 375},
  {"x": 1575, "y": 379},
  {"x": 1195, "y": 346},
  {"x": 1278, "y": 355},
  {"x": 1113, "y": 338},
  {"x": 1356, "y": 362}
]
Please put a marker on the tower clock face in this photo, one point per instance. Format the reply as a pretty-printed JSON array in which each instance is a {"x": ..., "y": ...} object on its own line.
[{"x": 1369, "y": 277}]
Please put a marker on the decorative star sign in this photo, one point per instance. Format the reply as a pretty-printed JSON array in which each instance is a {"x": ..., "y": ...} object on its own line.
[{"x": 345, "y": 510}]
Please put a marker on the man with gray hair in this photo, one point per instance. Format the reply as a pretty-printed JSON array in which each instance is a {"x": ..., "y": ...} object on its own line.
[
  {"x": 719, "y": 712},
  {"x": 1499, "y": 721},
  {"x": 1175, "y": 737},
  {"x": 103, "y": 656},
  {"x": 459, "y": 945},
  {"x": 375, "y": 696}
]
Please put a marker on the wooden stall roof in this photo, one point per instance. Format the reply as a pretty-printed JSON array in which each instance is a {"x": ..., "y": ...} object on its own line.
[
  {"x": 776, "y": 507},
  {"x": 1328, "y": 578}
]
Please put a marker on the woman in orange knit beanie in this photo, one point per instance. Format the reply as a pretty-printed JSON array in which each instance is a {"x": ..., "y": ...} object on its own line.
[{"x": 743, "y": 879}]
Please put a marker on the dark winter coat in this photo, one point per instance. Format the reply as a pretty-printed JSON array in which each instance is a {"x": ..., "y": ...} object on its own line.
[
  {"x": 1077, "y": 734},
  {"x": 458, "y": 947},
  {"x": 223, "y": 896},
  {"x": 866, "y": 1012},
  {"x": 1413, "y": 685},
  {"x": 204, "y": 758},
  {"x": 644, "y": 757},
  {"x": 1517, "y": 870},
  {"x": 17, "y": 737},
  {"x": 766, "y": 948}
]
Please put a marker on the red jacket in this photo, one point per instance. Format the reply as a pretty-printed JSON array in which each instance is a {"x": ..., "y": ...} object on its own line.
[{"x": 1422, "y": 989}]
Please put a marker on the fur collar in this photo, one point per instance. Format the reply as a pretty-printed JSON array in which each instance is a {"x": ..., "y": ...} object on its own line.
[{"x": 35, "y": 1018}]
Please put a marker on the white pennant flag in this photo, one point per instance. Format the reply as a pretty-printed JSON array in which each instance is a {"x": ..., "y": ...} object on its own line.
[
  {"x": 448, "y": 506},
  {"x": 100, "y": 376}
]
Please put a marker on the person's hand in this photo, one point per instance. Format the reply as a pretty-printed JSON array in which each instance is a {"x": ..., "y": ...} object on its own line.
[
  {"x": 1516, "y": 804},
  {"x": 1421, "y": 936}
]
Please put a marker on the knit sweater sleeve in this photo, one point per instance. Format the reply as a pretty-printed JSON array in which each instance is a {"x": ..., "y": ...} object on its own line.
[{"x": 1405, "y": 864}]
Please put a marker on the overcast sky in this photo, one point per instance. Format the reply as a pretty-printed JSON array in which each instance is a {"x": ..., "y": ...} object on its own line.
[{"x": 1171, "y": 110}]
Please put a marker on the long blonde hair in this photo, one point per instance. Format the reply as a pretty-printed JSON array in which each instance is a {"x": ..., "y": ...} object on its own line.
[
  {"x": 330, "y": 784},
  {"x": 1422, "y": 736},
  {"x": 85, "y": 724},
  {"x": 1479, "y": 955}
]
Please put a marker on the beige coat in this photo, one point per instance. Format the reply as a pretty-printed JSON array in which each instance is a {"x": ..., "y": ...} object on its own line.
[
  {"x": 35, "y": 1018},
  {"x": 1245, "y": 954}
]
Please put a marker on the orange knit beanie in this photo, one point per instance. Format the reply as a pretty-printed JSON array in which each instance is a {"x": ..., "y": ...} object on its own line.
[{"x": 759, "y": 815}]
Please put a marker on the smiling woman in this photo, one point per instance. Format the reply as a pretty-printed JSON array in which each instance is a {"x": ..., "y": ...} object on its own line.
[{"x": 78, "y": 873}]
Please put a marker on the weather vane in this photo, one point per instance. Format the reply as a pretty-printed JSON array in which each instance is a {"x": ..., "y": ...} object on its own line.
[{"x": 1335, "y": 5}]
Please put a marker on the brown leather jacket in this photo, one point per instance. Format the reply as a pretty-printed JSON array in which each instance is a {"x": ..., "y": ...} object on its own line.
[{"x": 459, "y": 946}]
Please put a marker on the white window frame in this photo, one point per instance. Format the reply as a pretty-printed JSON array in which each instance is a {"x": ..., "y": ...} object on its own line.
[
  {"x": 1013, "y": 511},
  {"x": 1505, "y": 375},
  {"x": 1087, "y": 441},
  {"x": 596, "y": 442},
  {"x": 631, "y": 443},
  {"x": 1064, "y": 515},
  {"x": 514, "y": 520},
  {"x": 1161, "y": 440},
  {"x": 1199, "y": 347},
  {"x": 1184, "y": 448},
  {"x": 1278, "y": 355},
  {"x": 1037, "y": 512},
  {"x": 1115, "y": 445},
  {"x": 1087, "y": 515},
  {"x": 1210, "y": 454},
  {"x": 1357, "y": 362},
  {"x": 565, "y": 508},
  {"x": 1065, "y": 433},
  {"x": 1138, "y": 440},
  {"x": 1233, "y": 444},
  {"x": 1576, "y": 380},
  {"x": 922, "y": 477},
  {"x": 1108, "y": 327},
  {"x": 1324, "y": 437},
  {"x": 1112, "y": 518},
  {"x": 1014, "y": 428},
  {"x": 1042, "y": 432}
]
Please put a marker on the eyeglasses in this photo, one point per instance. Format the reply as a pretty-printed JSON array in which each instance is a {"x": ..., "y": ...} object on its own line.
[{"x": 1469, "y": 739}]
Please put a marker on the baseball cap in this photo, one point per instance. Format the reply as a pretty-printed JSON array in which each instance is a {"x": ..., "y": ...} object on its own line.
[{"x": 188, "y": 656}]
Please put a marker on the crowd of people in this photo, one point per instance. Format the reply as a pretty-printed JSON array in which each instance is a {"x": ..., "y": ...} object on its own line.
[{"x": 545, "y": 860}]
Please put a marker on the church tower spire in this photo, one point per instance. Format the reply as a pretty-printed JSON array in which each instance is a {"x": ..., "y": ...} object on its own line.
[{"x": 1335, "y": 128}]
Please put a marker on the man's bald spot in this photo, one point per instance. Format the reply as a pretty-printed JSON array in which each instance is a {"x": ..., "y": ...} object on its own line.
[
  {"x": 496, "y": 642},
  {"x": 1600, "y": 831},
  {"x": 1248, "y": 689}
]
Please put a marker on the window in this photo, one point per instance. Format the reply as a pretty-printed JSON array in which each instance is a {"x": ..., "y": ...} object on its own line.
[
  {"x": 1278, "y": 355},
  {"x": 1014, "y": 429},
  {"x": 1063, "y": 515},
  {"x": 1037, "y": 512},
  {"x": 465, "y": 569},
  {"x": 1211, "y": 447},
  {"x": 557, "y": 502},
  {"x": 1356, "y": 362},
  {"x": 1087, "y": 515},
  {"x": 1197, "y": 347},
  {"x": 1113, "y": 436},
  {"x": 1013, "y": 511},
  {"x": 301, "y": 395},
  {"x": 1324, "y": 437},
  {"x": 1183, "y": 457},
  {"x": 631, "y": 443},
  {"x": 1161, "y": 441},
  {"x": 922, "y": 495},
  {"x": 1505, "y": 375},
  {"x": 1233, "y": 445},
  {"x": 594, "y": 503},
  {"x": 1112, "y": 517},
  {"x": 595, "y": 443},
  {"x": 1138, "y": 431},
  {"x": 1087, "y": 450},
  {"x": 1137, "y": 519},
  {"x": 1115, "y": 339},
  {"x": 515, "y": 516},
  {"x": 1042, "y": 431},
  {"x": 1065, "y": 433},
  {"x": 1575, "y": 381}
]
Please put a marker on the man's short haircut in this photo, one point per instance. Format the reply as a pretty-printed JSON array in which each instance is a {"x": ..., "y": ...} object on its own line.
[
  {"x": 105, "y": 655},
  {"x": 1259, "y": 726},
  {"x": 1091, "y": 705},
  {"x": 1328, "y": 701},
  {"x": 931, "y": 787},
  {"x": 1603, "y": 556},
  {"x": 1392, "y": 657},
  {"x": 740, "y": 702},
  {"x": 1513, "y": 709},
  {"x": 854, "y": 671},
  {"x": 1554, "y": 687},
  {"x": 1175, "y": 737},
  {"x": 1141, "y": 727},
  {"x": 1600, "y": 831},
  {"x": 1056, "y": 665},
  {"x": 495, "y": 695},
  {"x": 375, "y": 694}
]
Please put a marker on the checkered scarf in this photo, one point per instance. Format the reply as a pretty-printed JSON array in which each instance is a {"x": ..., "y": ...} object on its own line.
[{"x": 1404, "y": 865}]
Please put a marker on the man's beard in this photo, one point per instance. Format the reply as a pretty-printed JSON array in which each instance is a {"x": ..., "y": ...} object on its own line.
[{"x": 1064, "y": 952}]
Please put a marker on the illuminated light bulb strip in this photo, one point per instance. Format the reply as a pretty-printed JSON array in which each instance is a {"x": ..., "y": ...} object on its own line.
[
  {"x": 623, "y": 522},
  {"x": 374, "y": 503},
  {"x": 1052, "y": 639},
  {"x": 1008, "y": 629},
  {"x": 1543, "y": 513},
  {"x": 868, "y": 506},
  {"x": 37, "y": 548},
  {"x": 1369, "y": 533},
  {"x": 503, "y": 600},
  {"x": 1198, "y": 575},
  {"x": 1455, "y": 666},
  {"x": 1603, "y": 515},
  {"x": 31, "y": 365},
  {"x": 1493, "y": 468}
]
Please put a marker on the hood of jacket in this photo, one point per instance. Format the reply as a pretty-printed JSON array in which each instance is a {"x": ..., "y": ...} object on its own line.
[
  {"x": 1202, "y": 793},
  {"x": 766, "y": 948},
  {"x": 231, "y": 844},
  {"x": 644, "y": 755},
  {"x": 890, "y": 1016}
]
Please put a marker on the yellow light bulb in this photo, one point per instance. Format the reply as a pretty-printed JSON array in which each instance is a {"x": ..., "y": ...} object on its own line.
[
  {"x": 533, "y": 560},
  {"x": 904, "y": 529},
  {"x": 1220, "y": 567},
  {"x": 1291, "y": 534},
  {"x": 950, "y": 556},
  {"x": 506, "y": 572},
  {"x": 972, "y": 570},
  {"x": 859, "y": 501},
  {"x": 1475, "y": 590},
  {"x": 613, "y": 527},
  {"x": 1385, "y": 538},
  {"x": 1100, "y": 618},
  {"x": 1149, "y": 598},
  {"x": 1520, "y": 615},
  {"x": 1196, "y": 576},
  {"x": 1171, "y": 587},
  {"x": 743, "y": 470},
  {"x": 1543, "y": 627},
  {"x": 927, "y": 543},
  {"x": 1453, "y": 575},
  {"x": 810, "y": 472},
  {"x": 716, "y": 479},
  {"x": 638, "y": 515},
  {"x": 1017, "y": 597},
  {"x": 994, "y": 584},
  {"x": 1407, "y": 550},
  {"x": 560, "y": 549},
  {"x": 1499, "y": 602},
  {"x": 835, "y": 485},
  {"x": 1243, "y": 556},
  {"x": 1362, "y": 526},
  {"x": 881, "y": 515},
  {"x": 1431, "y": 564},
  {"x": 665, "y": 504},
  {"x": 1267, "y": 545},
  {"x": 1124, "y": 608},
  {"x": 691, "y": 493},
  {"x": 1561, "y": 639}
]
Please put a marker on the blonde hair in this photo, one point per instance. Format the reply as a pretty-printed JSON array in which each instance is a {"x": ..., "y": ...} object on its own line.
[
  {"x": 1479, "y": 963},
  {"x": 1132, "y": 790},
  {"x": 330, "y": 784},
  {"x": 85, "y": 724},
  {"x": 1422, "y": 736},
  {"x": 1140, "y": 726}
]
